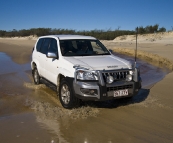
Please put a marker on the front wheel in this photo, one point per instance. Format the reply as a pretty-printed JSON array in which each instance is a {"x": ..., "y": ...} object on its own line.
[
  {"x": 36, "y": 76},
  {"x": 66, "y": 96}
]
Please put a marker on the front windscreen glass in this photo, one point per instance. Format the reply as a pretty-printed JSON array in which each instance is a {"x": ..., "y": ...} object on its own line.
[{"x": 82, "y": 47}]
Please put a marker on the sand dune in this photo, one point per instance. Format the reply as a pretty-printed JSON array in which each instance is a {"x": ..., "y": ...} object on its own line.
[
  {"x": 155, "y": 48},
  {"x": 162, "y": 37}
]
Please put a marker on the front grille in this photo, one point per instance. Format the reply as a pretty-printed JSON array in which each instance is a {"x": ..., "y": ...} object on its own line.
[
  {"x": 120, "y": 87},
  {"x": 118, "y": 75}
]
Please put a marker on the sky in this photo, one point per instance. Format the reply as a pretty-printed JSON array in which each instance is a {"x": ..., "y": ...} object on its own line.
[{"x": 85, "y": 14}]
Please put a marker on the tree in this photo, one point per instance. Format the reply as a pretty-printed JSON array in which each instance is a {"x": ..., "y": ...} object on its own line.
[
  {"x": 162, "y": 29},
  {"x": 141, "y": 30},
  {"x": 2, "y": 33},
  {"x": 155, "y": 28}
]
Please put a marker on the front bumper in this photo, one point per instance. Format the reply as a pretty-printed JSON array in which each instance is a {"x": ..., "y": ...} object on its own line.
[{"x": 105, "y": 92}]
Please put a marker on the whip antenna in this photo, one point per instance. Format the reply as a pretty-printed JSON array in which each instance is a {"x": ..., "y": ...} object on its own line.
[{"x": 136, "y": 45}]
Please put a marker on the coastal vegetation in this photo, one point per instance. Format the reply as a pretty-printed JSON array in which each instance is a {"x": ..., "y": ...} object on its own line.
[{"x": 100, "y": 34}]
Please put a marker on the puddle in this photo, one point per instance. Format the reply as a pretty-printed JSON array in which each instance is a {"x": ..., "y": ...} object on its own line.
[
  {"x": 48, "y": 110},
  {"x": 150, "y": 74},
  {"x": 50, "y": 106},
  {"x": 8, "y": 66}
]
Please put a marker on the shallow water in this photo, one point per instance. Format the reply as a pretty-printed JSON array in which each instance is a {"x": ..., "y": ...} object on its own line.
[
  {"x": 8, "y": 66},
  {"x": 32, "y": 113},
  {"x": 150, "y": 74}
]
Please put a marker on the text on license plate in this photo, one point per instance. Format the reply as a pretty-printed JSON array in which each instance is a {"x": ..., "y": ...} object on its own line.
[{"x": 121, "y": 93}]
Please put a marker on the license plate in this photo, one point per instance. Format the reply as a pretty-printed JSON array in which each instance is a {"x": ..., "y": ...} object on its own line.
[{"x": 121, "y": 93}]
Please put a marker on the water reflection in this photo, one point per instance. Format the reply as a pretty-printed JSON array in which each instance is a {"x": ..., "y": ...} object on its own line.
[
  {"x": 150, "y": 74},
  {"x": 8, "y": 66}
]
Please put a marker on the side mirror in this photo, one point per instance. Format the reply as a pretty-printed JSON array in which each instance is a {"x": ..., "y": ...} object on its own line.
[
  {"x": 51, "y": 55},
  {"x": 111, "y": 51}
]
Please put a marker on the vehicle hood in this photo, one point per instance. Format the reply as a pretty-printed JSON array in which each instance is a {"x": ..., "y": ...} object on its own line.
[{"x": 105, "y": 62}]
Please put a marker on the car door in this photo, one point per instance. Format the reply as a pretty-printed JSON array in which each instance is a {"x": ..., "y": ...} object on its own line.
[
  {"x": 42, "y": 56},
  {"x": 52, "y": 63},
  {"x": 37, "y": 55}
]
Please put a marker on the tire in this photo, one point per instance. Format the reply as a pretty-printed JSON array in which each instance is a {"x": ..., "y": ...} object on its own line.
[
  {"x": 36, "y": 76},
  {"x": 66, "y": 95}
]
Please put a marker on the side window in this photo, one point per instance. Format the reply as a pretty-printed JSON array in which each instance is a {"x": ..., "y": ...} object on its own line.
[
  {"x": 39, "y": 43},
  {"x": 45, "y": 45},
  {"x": 53, "y": 46}
]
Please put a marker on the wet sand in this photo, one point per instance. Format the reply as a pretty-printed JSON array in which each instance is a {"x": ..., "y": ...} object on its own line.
[
  {"x": 19, "y": 50},
  {"x": 30, "y": 113}
]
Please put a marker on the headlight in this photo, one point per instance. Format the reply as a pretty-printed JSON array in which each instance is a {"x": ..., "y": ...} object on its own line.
[
  {"x": 110, "y": 79},
  {"x": 86, "y": 75},
  {"x": 129, "y": 77},
  {"x": 131, "y": 72}
]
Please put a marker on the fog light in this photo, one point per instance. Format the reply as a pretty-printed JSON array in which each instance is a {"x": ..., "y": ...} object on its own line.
[
  {"x": 104, "y": 94},
  {"x": 89, "y": 91},
  {"x": 109, "y": 79},
  {"x": 128, "y": 77}
]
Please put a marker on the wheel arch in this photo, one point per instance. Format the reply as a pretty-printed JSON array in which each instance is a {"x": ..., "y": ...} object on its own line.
[
  {"x": 59, "y": 79},
  {"x": 35, "y": 64}
]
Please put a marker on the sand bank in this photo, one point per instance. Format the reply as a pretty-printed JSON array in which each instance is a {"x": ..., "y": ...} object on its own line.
[{"x": 18, "y": 49}]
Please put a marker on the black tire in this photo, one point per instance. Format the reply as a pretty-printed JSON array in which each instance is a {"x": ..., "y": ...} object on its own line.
[
  {"x": 66, "y": 95},
  {"x": 36, "y": 76}
]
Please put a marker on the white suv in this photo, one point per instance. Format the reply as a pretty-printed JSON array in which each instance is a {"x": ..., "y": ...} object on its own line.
[{"x": 82, "y": 69}]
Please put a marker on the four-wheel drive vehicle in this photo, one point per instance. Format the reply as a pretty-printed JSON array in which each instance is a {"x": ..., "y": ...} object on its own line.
[{"x": 83, "y": 69}]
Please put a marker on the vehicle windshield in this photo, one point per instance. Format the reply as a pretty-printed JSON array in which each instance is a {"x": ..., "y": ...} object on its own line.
[{"x": 82, "y": 47}]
